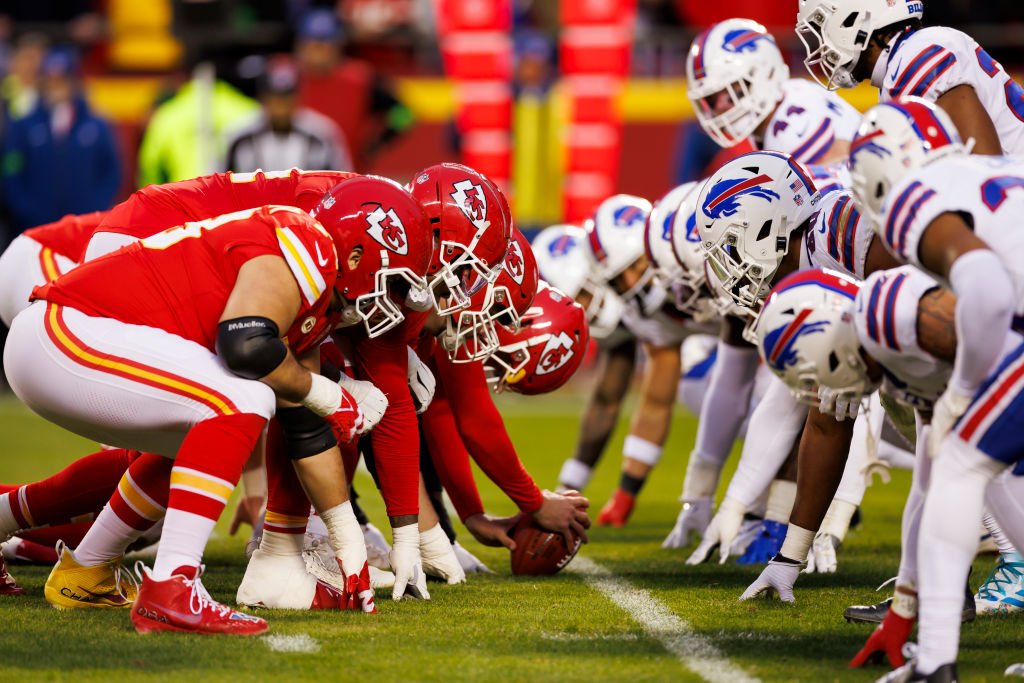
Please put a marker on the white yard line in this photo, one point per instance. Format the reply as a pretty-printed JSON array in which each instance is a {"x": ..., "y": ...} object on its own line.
[
  {"x": 695, "y": 651},
  {"x": 301, "y": 643}
]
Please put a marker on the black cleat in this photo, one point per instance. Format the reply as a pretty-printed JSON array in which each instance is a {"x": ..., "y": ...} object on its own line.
[
  {"x": 875, "y": 614},
  {"x": 906, "y": 674}
]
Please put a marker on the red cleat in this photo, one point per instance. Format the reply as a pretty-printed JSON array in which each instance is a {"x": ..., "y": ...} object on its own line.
[
  {"x": 8, "y": 586},
  {"x": 182, "y": 604},
  {"x": 617, "y": 510}
]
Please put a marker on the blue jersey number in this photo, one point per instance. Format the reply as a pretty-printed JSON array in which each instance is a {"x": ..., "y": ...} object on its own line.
[
  {"x": 1014, "y": 93},
  {"x": 994, "y": 190}
]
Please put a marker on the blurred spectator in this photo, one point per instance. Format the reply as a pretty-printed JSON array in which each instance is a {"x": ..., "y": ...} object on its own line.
[
  {"x": 187, "y": 135},
  {"x": 347, "y": 91},
  {"x": 286, "y": 135},
  {"x": 61, "y": 158},
  {"x": 20, "y": 87}
]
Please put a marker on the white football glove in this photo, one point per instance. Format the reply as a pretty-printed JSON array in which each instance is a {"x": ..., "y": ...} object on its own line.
[
  {"x": 405, "y": 563},
  {"x": 370, "y": 399},
  {"x": 777, "y": 577},
  {"x": 693, "y": 519},
  {"x": 948, "y": 409},
  {"x": 843, "y": 405},
  {"x": 421, "y": 383},
  {"x": 821, "y": 558},
  {"x": 721, "y": 532},
  {"x": 470, "y": 563},
  {"x": 438, "y": 556}
]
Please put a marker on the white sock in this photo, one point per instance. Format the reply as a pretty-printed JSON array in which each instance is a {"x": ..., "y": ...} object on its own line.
[
  {"x": 276, "y": 543},
  {"x": 575, "y": 474},
  {"x": 960, "y": 473},
  {"x": 106, "y": 539},
  {"x": 780, "y": 501},
  {"x": 910, "y": 525},
  {"x": 183, "y": 541},
  {"x": 346, "y": 537}
]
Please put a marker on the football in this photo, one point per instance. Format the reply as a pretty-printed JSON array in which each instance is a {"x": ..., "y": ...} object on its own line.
[{"x": 538, "y": 551}]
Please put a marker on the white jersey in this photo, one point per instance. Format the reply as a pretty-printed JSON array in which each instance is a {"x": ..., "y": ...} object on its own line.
[
  {"x": 990, "y": 190},
  {"x": 808, "y": 120},
  {"x": 886, "y": 322},
  {"x": 931, "y": 61},
  {"x": 831, "y": 178},
  {"x": 838, "y": 238}
]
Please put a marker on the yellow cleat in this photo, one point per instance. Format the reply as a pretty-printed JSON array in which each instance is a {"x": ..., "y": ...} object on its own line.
[{"x": 71, "y": 586}]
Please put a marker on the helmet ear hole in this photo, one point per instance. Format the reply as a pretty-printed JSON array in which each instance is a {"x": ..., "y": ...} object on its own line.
[
  {"x": 833, "y": 361},
  {"x": 766, "y": 230},
  {"x": 879, "y": 190},
  {"x": 850, "y": 18}
]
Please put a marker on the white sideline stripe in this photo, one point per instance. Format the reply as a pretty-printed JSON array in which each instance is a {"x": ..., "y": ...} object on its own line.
[
  {"x": 695, "y": 651},
  {"x": 300, "y": 643}
]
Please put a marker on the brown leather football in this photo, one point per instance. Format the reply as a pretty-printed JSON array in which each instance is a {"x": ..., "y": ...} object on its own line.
[{"x": 539, "y": 551}]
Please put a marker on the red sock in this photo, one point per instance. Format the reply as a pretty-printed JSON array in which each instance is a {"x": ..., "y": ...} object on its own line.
[
  {"x": 287, "y": 504},
  {"x": 71, "y": 534},
  {"x": 141, "y": 495},
  {"x": 80, "y": 488},
  {"x": 210, "y": 461}
]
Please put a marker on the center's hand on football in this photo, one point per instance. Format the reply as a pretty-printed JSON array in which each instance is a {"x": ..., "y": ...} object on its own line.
[{"x": 564, "y": 513}]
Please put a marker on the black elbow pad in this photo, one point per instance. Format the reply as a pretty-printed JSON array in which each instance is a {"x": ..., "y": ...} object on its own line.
[
  {"x": 306, "y": 433},
  {"x": 250, "y": 346}
]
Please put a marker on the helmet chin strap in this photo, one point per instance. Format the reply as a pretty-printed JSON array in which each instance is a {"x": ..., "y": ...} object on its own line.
[{"x": 448, "y": 338}]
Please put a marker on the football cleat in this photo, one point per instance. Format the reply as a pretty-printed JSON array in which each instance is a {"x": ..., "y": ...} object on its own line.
[
  {"x": 1014, "y": 670},
  {"x": 470, "y": 563},
  {"x": 182, "y": 604},
  {"x": 8, "y": 586},
  {"x": 1003, "y": 591},
  {"x": 693, "y": 519},
  {"x": 380, "y": 578},
  {"x": 375, "y": 538},
  {"x": 617, "y": 510},
  {"x": 767, "y": 543},
  {"x": 72, "y": 585},
  {"x": 906, "y": 673},
  {"x": 875, "y": 614},
  {"x": 282, "y": 581}
]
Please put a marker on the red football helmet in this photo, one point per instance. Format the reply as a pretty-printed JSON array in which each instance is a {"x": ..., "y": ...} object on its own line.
[
  {"x": 502, "y": 303},
  {"x": 379, "y": 217},
  {"x": 546, "y": 350},
  {"x": 473, "y": 226}
]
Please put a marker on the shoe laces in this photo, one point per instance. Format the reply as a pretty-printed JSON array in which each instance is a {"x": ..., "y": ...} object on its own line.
[
  {"x": 1009, "y": 573},
  {"x": 200, "y": 599},
  {"x": 122, "y": 577}
]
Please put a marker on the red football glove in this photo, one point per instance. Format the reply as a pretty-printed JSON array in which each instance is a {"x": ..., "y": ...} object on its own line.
[
  {"x": 887, "y": 639},
  {"x": 358, "y": 592},
  {"x": 347, "y": 420}
]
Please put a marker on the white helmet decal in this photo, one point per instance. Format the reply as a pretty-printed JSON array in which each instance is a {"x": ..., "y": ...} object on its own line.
[
  {"x": 514, "y": 262},
  {"x": 386, "y": 228},
  {"x": 471, "y": 199},
  {"x": 556, "y": 353}
]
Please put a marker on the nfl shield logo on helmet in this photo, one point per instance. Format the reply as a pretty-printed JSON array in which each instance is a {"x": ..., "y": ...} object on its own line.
[
  {"x": 470, "y": 198},
  {"x": 556, "y": 353},
  {"x": 514, "y": 262},
  {"x": 386, "y": 228}
]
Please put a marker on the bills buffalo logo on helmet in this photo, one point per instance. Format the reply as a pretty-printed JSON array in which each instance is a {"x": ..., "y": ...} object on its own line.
[
  {"x": 723, "y": 199},
  {"x": 743, "y": 40},
  {"x": 514, "y": 262},
  {"x": 691, "y": 228},
  {"x": 626, "y": 216},
  {"x": 386, "y": 228},
  {"x": 779, "y": 344},
  {"x": 562, "y": 245},
  {"x": 556, "y": 353},
  {"x": 469, "y": 197},
  {"x": 666, "y": 226},
  {"x": 866, "y": 143}
]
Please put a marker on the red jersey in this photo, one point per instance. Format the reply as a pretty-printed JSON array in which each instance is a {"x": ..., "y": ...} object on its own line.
[
  {"x": 179, "y": 280},
  {"x": 158, "y": 207},
  {"x": 68, "y": 236}
]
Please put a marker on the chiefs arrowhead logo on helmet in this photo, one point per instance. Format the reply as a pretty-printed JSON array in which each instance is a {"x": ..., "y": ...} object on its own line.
[
  {"x": 386, "y": 228},
  {"x": 556, "y": 353},
  {"x": 470, "y": 198},
  {"x": 514, "y": 262}
]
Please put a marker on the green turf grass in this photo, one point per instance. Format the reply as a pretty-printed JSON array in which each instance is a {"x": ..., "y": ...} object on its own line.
[{"x": 497, "y": 627}]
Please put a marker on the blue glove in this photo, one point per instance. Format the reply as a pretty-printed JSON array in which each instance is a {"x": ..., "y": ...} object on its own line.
[{"x": 768, "y": 542}]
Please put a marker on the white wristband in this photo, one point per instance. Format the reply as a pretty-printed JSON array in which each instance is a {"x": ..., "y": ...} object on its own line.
[
  {"x": 797, "y": 544},
  {"x": 643, "y": 450},
  {"x": 324, "y": 397}
]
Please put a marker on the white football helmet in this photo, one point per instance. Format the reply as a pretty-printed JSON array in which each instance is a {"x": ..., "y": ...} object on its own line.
[
  {"x": 746, "y": 213},
  {"x": 563, "y": 260},
  {"x": 734, "y": 75},
  {"x": 806, "y": 336},
  {"x": 894, "y": 139},
  {"x": 836, "y": 32},
  {"x": 616, "y": 235},
  {"x": 673, "y": 248}
]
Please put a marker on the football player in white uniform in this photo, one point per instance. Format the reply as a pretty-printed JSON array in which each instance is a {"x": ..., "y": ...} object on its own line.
[
  {"x": 957, "y": 217},
  {"x": 849, "y": 41},
  {"x": 760, "y": 218},
  {"x": 740, "y": 87}
]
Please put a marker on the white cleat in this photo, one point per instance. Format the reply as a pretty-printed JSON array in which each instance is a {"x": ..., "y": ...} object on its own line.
[
  {"x": 380, "y": 578},
  {"x": 1003, "y": 591},
  {"x": 375, "y": 538},
  {"x": 692, "y": 521},
  {"x": 470, "y": 563}
]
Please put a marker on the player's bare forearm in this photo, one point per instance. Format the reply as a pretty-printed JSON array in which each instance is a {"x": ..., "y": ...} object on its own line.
[
  {"x": 657, "y": 394},
  {"x": 971, "y": 119},
  {"x": 822, "y": 456},
  {"x": 936, "y": 327}
]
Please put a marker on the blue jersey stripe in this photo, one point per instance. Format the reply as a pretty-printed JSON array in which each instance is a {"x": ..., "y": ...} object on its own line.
[
  {"x": 890, "y": 224},
  {"x": 850, "y": 236},
  {"x": 911, "y": 214},
  {"x": 933, "y": 75},
  {"x": 872, "y": 308},
  {"x": 889, "y": 323},
  {"x": 822, "y": 129},
  {"x": 912, "y": 69}
]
